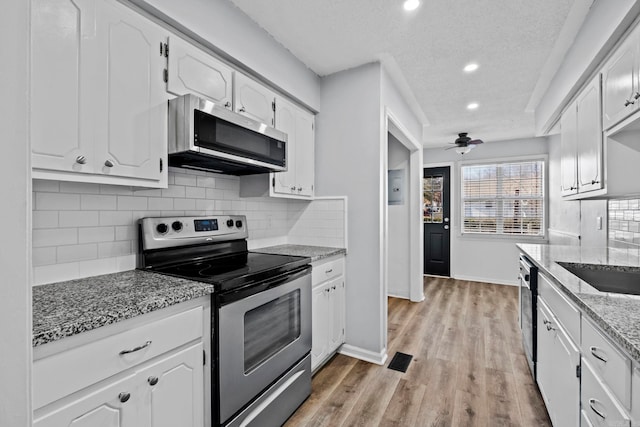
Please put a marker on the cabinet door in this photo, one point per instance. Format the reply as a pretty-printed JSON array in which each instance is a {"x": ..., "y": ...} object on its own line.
[
  {"x": 62, "y": 49},
  {"x": 568, "y": 149},
  {"x": 173, "y": 389},
  {"x": 192, "y": 70},
  {"x": 305, "y": 154},
  {"x": 319, "y": 324},
  {"x": 131, "y": 101},
  {"x": 103, "y": 407},
  {"x": 286, "y": 121},
  {"x": 589, "y": 138},
  {"x": 619, "y": 78},
  {"x": 336, "y": 314},
  {"x": 544, "y": 354},
  {"x": 253, "y": 100}
]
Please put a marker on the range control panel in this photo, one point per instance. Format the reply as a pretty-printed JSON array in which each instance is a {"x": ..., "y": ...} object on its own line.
[{"x": 162, "y": 232}]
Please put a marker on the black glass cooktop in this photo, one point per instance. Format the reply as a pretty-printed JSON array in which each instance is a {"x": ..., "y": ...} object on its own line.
[{"x": 237, "y": 270}]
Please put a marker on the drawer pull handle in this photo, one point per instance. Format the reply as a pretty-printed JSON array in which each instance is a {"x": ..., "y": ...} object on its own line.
[
  {"x": 153, "y": 380},
  {"x": 594, "y": 350},
  {"x": 329, "y": 271},
  {"x": 124, "y": 396},
  {"x": 133, "y": 350},
  {"x": 550, "y": 328},
  {"x": 598, "y": 413}
]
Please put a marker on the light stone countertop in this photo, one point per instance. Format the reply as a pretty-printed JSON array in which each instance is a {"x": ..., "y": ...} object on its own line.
[
  {"x": 67, "y": 308},
  {"x": 316, "y": 253},
  {"x": 617, "y": 314}
]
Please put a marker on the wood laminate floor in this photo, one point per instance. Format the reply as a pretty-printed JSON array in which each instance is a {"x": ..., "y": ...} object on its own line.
[{"x": 468, "y": 367}]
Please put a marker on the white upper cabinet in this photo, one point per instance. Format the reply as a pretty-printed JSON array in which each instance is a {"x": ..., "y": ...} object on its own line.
[
  {"x": 582, "y": 143},
  {"x": 253, "y": 100},
  {"x": 298, "y": 124},
  {"x": 621, "y": 91},
  {"x": 191, "y": 70},
  {"x": 98, "y": 97}
]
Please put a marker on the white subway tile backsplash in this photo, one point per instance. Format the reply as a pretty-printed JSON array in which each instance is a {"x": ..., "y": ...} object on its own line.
[
  {"x": 97, "y": 202},
  {"x": 77, "y": 252},
  {"x": 54, "y": 237},
  {"x": 114, "y": 249},
  {"x": 81, "y": 230},
  {"x": 45, "y": 219},
  {"x": 132, "y": 203},
  {"x": 96, "y": 234},
  {"x": 57, "y": 202},
  {"x": 116, "y": 218}
]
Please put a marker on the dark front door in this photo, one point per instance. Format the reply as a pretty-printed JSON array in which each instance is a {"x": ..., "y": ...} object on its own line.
[{"x": 437, "y": 224}]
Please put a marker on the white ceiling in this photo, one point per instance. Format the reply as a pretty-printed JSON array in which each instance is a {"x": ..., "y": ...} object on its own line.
[{"x": 517, "y": 43}]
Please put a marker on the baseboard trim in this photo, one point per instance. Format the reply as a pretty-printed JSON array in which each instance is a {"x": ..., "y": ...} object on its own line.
[
  {"x": 362, "y": 354},
  {"x": 395, "y": 295},
  {"x": 485, "y": 280}
]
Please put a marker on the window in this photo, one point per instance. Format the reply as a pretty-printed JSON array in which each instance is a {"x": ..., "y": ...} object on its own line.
[{"x": 503, "y": 198}]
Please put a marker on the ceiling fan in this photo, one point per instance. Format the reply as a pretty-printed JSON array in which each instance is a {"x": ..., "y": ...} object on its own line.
[{"x": 464, "y": 144}]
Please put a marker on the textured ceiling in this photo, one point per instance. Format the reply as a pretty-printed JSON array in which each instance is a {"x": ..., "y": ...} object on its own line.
[{"x": 511, "y": 40}]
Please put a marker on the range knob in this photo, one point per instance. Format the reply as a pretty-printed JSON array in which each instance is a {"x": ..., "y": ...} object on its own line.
[
  {"x": 239, "y": 224},
  {"x": 162, "y": 228},
  {"x": 229, "y": 223},
  {"x": 176, "y": 225}
]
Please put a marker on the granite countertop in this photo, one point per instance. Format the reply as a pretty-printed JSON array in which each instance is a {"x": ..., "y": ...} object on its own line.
[
  {"x": 617, "y": 314},
  {"x": 316, "y": 253},
  {"x": 67, "y": 308}
]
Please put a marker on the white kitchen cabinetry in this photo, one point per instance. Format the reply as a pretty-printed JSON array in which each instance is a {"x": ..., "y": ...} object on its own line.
[
  {"x": 557, "y": 369},
  {"x": 146, "y": 372},
  {"x": 328, "y": 310},
  {"x": 253, "y": 100},
  {"x": 192, "y": 70},
  {"x": 298, "y": 124},
  {"x": 582, "y": 143},
  {"x": 620, "y": 80},
  {"x": 98, "y": 100}
]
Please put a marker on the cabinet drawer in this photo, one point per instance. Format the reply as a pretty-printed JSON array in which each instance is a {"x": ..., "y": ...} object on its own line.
[
  {"x": 562, "y": 308},
  {"x": 63, "y": 373},
  {"x": 599, "y": 404},
  {"x": 327, "y": 270},
  {"x": 609, "y": 364}
]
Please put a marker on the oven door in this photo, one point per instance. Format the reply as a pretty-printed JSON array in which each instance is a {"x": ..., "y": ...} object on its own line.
[{"x": 260, "y": 338}]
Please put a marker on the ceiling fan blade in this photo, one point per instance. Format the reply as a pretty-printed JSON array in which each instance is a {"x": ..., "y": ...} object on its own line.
[
  {"x": 475, "y": 141},
  {"x": 450, "y": 148}
]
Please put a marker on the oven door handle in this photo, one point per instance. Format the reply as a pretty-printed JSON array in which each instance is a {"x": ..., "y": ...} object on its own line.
[{"x": 255, "y": 288}]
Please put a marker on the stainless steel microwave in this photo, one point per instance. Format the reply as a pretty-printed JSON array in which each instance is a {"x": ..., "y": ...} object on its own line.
[{"x": 207, "y": 136}]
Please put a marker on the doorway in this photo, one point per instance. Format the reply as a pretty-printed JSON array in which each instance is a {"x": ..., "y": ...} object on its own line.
[{"x": 437, "y": 223}]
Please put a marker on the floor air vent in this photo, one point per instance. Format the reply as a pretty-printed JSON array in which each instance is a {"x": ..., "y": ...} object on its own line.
[{"x": 400, "y": 362}]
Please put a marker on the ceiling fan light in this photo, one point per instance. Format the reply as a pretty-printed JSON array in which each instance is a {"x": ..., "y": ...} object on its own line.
[
  {"x": 472, "y": 106},
  {"x": 471, "y": 67},
  {"x": 463, "y": 150}
]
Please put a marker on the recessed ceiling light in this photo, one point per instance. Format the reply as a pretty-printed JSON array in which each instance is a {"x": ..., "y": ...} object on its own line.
[
  {"x": 411, "y": 4},
  {"x": 469, "y": 68},
  {"x": 472, "y": 106}
]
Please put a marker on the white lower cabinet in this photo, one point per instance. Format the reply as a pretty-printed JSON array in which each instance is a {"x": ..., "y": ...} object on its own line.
[
  {"x": 557, "y": 369},
  {"x": 328, "y": 309},
  {"x": 159, "y": 383},
  {"x": 600, "y": 406}
]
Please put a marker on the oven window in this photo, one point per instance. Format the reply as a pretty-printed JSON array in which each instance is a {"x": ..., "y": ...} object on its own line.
[{"x": 270, "y": 328}]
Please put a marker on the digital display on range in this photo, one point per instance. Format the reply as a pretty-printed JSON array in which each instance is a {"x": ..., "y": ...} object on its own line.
[{"x": 205, "y": 224}]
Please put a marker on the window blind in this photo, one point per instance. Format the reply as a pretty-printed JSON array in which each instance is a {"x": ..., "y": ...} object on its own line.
[{"x": 503, "y": 198}]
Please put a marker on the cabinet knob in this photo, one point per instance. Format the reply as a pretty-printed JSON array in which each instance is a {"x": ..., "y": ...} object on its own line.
[
  {"x": 595, "y": 182},
  {"x": 242, "y": 109},
  {"x": 333, "y": 287},
  {"x": 227, "y": 104},
  {"x": 327, "y": 290},
  {"x": 299, "y": 189},
  {"x": 108, "y": 163},
  {"x": 550, "y": 328},
  {"x": 81, "y": 160},
  {"x": 124, "y": 396},
  {"x": 628, "y": 102},
  {"x": 293, "y": 188},
  {"x": 152, "y": 380},
  {"x": 636, "y": 95}
]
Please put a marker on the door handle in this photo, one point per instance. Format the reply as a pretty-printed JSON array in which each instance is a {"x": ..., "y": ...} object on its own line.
[{"x": 446, "y": 227}]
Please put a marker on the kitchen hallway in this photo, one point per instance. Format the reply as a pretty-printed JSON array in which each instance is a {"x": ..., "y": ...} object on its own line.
[{"x": 468, "y": 369}]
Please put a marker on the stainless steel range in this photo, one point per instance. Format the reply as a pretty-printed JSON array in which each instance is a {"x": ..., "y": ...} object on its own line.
[{"x": 261, "y": 325}]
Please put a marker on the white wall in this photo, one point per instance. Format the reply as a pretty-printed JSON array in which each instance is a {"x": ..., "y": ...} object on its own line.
[
  {"x": 398, "y": 223},
  {"x": 604, "y": 24},
  {"x": 15, "y": 290},
  {"x": 483, "y": 259},
  {"x": 348, "y": 162},
  {"x": 221, "y": 26}
]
